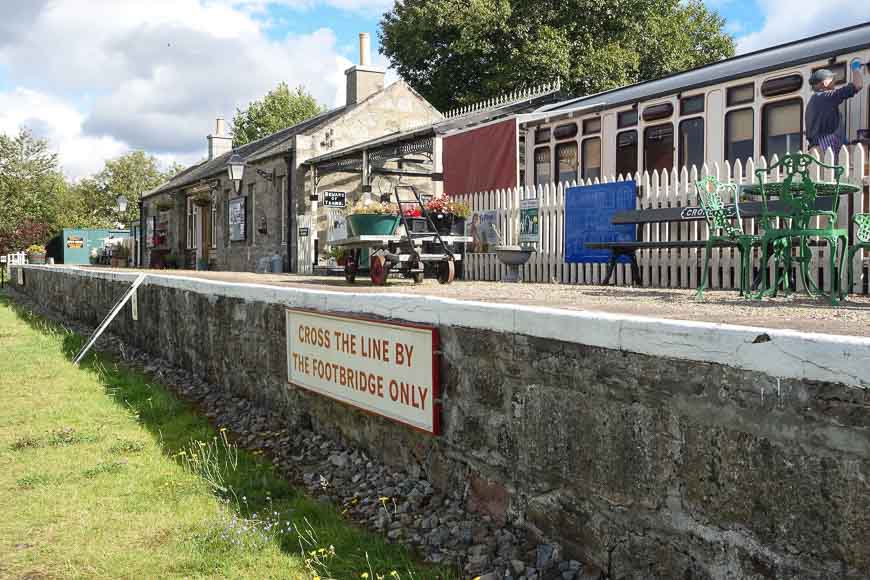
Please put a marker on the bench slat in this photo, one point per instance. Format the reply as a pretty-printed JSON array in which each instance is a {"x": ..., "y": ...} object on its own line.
[{"x": 693, "y": 213}]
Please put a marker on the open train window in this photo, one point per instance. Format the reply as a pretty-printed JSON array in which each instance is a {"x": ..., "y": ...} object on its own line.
[
  {"x": 592, "y": 126},
  {"x": 691, "y": 143},
  {"x": 781, "y": 127},
  {"x": 542, "y": 165},
  {"x": 692, "y": 105},
  {"x": 565, "y": 131},
  {"x": 626, "y": 153},
  {"x": 591, "y": 168},
  {"x": 838, "y": 69},
  {"x": 626, "y": 119},
  {"x": 566, "y": 161},
  {"x": 741, "y": 94},
  {"x": 782, "y": 85},
  {"x": 658, "y": 147},
  {"x": 739, "y": 135},
  {"x": 542, "y": 135}
]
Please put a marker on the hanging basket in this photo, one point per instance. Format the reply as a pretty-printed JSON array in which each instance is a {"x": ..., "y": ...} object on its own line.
[
  {"x": 164, "y": 205},
  {"x": 201, "y": 200}
]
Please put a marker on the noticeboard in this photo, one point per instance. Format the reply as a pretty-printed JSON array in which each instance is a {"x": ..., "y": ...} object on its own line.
[
  {"x": 588, "y": 214},
  {"x": 529, "y": 230},
  {"x": 236, "y": 213},
  {"x": 334, "y": 199}
]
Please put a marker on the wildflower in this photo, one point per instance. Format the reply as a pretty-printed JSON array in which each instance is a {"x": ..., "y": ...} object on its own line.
[
  {"x": 364, "y": 575},
  {"x": 394, "y": 574}
]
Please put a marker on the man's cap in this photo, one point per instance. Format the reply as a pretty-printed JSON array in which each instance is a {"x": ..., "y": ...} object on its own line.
[{"x": 821, "y": 75}]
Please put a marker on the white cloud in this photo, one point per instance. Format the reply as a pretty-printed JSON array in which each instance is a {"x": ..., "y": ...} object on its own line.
[
  {"x": 788, "y": 20},
  {"x": 61, "y": 124},
  {"x": 104, "y": 76}
]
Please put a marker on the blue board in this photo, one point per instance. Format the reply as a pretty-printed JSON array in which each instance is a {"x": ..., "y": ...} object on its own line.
[{"x": 588, "y": 211}]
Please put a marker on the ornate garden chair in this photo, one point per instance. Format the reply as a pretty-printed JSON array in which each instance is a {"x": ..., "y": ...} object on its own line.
[
  {"x": 797, "y": 194},
  {"x": 862, "y": 232},
  {"x": 723, "y": 228}
]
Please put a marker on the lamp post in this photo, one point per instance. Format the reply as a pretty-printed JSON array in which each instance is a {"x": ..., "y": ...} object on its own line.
[{"x": 236, "y": 170}]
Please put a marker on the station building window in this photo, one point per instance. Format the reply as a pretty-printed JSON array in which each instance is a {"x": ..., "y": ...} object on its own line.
[
  {"x": 542, "y": 166},
  {"x": 591, "y": 150},
  {"x": 739, "y": 131},
  {"x": 781, "y": 127},
  {"x": 566, "y": 160},
  {"x": 658, "y": 147},
  {"x": 212, "y": 226},
  {"x": 192, "y": 219},
  {"x": 691, "y": 143},
  {"x": 626, "y": 153}
]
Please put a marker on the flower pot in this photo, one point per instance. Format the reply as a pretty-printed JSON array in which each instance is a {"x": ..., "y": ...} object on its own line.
[
  {"x": 369, "y": 224},
  {"x": 36, "y": 258}
]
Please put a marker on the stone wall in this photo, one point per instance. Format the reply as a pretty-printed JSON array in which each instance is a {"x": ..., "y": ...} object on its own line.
[{"x": 648, "y": 466}]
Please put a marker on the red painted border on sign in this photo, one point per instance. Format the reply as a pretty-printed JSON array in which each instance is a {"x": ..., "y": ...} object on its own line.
[{"x": 436, "y": 374}]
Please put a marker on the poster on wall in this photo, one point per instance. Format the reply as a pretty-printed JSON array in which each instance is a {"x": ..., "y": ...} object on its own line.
[
  {"x": 529, "y": 231},
  {"x": 483, "y": 231},
  {"x": 337, "y": 225},
  {"x": 385, "y": 368},
  {"x": 237, "y": 219},
  {"x": 150, "y": 232},
  {"x": 588, "y": 214}
]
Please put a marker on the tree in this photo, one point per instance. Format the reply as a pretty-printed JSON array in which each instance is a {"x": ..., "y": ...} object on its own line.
[
  {"x": 456, "y": 52},
  {"x": 92, "y": 202},
  {"x": 280, "y": 108},
  {"x": 30, "y": 185}
]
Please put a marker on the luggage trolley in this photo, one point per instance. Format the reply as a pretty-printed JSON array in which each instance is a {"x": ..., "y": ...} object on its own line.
[{"x": 405, "y": 255}]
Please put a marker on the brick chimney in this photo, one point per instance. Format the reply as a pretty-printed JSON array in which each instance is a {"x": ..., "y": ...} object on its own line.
[
  {"x": 219, "y": 143},
  {"x": 363, "y": 79}
]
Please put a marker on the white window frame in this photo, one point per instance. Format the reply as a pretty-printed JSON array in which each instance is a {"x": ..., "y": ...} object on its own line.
[{"x": 191, "y": 222}]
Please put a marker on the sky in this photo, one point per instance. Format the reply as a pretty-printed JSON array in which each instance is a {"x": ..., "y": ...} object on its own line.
[{"x": 99, "y": 78}]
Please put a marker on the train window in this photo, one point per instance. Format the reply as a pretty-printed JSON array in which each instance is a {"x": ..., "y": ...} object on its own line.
[
  {"x": 542, "y": 165},
  {"x": 626, "y": 153},
  {"x": 592, "y": 126},
  {"x": 781, "y": 85},
  {"x": 691, "y": 140},
  {"x": 692, "y": 105},
  {"x": 741, "y": 94},
  {"x": 565, "y": 131},
  {"x": 566, "y": 161},
  {"x": 658, "y": 147},
  {"x": 838, "y": 70},
  {"x": 781, "y": 125},
  {"x": 626, "y": 119},
  {"x": 591, "y": 158},
  {"x": 660, "y": 111},
  {"x": 739, "y": 131},
  {"x": 542, "y": 135}
]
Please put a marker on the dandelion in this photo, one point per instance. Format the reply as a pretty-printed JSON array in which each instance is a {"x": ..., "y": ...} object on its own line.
[{"x": 364, "y": 575}]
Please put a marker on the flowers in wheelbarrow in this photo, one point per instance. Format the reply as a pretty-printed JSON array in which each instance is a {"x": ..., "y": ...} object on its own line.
[
  {"x": 367, "y": 206},
  {"x": 444, "y": 205},
  {"x": 412, "y": 212}
]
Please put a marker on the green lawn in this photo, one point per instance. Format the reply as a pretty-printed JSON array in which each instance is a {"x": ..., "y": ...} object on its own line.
[{"x": 104, "y": 474}]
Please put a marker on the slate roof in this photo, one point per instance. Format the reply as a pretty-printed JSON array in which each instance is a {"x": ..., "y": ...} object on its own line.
[
  {"x": 822, "y": 46},
  {"x": 218, "y": 165}
]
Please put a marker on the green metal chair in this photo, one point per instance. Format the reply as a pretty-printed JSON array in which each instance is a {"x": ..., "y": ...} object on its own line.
[
  {"x": 797, "y": 193},
  {"x": 862, "y": 233},
  {"x": 723, "y": 228}
]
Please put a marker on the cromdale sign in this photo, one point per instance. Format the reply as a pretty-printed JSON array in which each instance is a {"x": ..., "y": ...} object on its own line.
[{"x": 385, "y": 368}]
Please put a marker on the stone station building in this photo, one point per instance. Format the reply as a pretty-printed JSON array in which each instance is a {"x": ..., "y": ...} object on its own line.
[{"x": 198, "y": 218}]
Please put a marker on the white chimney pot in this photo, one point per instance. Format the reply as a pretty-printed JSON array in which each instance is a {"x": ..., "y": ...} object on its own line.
[
  {"x": 364, "y": 49},
  {"x": 219, "y": 127}
]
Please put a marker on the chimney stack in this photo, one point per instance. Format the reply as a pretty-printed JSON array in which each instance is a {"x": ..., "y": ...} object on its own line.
[
  {"x": 365, "y": 48},
  {"x": 219, "y": 143},
  {"x": 363, "y": 80}
]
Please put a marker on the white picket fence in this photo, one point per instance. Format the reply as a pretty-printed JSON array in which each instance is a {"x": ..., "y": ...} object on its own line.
[
  {"x": 674, "y": 268},
  {"x": 16, "y": 259}
]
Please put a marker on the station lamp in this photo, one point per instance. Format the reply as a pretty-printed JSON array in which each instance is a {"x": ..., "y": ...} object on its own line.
[
  {"x": 236, "y": 170},
  {"x": 121, "y": 203}
]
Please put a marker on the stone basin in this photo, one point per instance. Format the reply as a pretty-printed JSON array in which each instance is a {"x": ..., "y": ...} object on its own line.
[{"x": 513, "y": 257}]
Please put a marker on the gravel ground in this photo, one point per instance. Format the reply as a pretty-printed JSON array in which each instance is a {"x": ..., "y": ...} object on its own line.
[{"x": 796, "y": 312}]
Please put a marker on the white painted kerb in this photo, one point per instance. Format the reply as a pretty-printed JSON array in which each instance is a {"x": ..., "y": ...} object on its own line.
[{"x": 788, "y": 353}]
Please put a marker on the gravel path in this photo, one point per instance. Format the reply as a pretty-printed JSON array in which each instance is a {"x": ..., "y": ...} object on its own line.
[{"x": 797, "y": 312}]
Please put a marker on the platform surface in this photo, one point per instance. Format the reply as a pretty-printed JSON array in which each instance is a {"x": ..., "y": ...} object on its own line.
[{"x": 797, "y": 312}]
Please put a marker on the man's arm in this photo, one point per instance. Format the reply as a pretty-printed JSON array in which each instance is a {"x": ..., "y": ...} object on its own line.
[{"x": 847, "y": 91}]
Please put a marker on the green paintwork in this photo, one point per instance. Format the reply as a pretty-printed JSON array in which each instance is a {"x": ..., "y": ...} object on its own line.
[
  {"x": 366, "y": 224},
  {"x": 798, "y": 192},
  {"x": 862, "y": 233},
  {"x": 723, "y": 226}
]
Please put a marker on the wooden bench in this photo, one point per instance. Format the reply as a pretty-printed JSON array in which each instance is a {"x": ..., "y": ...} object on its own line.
[{"x": 673, "y": 215}]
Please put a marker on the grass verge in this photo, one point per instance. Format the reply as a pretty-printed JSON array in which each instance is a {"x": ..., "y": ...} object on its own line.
[{"x": 104, "y": 474}]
